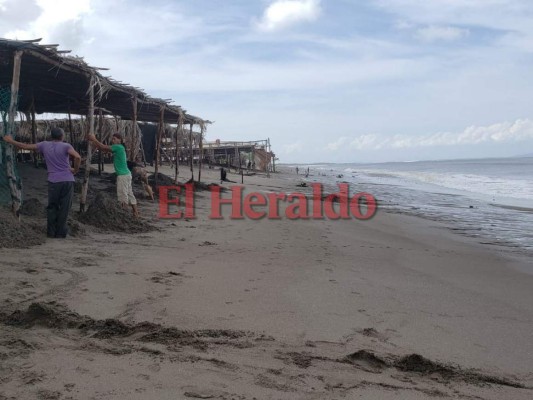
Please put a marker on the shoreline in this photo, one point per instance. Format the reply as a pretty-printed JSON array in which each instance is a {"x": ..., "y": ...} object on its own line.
[
  {"x": 463, "y": 224},
  {"x": 273, "y": 309}
]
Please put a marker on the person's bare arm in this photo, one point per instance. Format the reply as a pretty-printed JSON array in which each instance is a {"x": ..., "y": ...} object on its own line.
[
  {"x": 24, "y": 146},
  {"x": 77, "y": 160},
  {"x": 99, "y": 145}
]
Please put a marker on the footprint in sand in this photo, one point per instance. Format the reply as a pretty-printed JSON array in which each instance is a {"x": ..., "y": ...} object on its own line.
[{"x": 31, "y": 271}]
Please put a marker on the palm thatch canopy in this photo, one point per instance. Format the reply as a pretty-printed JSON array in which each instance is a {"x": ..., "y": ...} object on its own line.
[{"x": 51, "y": 81}]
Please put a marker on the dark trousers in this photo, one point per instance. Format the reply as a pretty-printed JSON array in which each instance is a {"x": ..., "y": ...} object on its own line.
[{"x": 59, "y": 202}]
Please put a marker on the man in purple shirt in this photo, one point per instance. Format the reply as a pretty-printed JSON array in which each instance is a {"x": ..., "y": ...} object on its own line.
[{"x": 60, "y": 178}]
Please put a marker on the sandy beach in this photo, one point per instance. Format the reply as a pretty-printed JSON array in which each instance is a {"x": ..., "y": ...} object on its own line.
[{"x": 395, "y": 307}]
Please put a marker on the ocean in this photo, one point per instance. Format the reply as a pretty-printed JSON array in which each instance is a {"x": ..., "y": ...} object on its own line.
[{"x": 490, "y": 199}]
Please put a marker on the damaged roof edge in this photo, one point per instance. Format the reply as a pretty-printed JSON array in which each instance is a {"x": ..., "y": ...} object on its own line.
[{"x": 109, "y": 94}]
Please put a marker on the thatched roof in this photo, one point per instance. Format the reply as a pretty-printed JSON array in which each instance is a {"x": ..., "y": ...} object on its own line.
[{"x": 56, "y": 82}]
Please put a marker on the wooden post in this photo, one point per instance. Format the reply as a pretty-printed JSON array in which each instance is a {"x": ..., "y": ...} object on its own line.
[
  {"x": 90, "y": 117},
  {"x": 200, "y": 152},
  {"x": 253, "y": 158},
  {"x": 15, "y": 185},
  {"x": 143, "y": 156},
  {"x": 269, "y": 156},
  {"x": 158, "y": 144},
  {"x": 176, "y": 143},
  {"x": 82, "y": 132},
  {"x": 273, "y": 157},
  {"x": 190, "y": 153},
  {"x": 133, "y": 129},
  {"x": 70, "y": 128},
  {"x": 33, "y": 130},
  {"x": 100, "y": 128},
  {"x": 238, "y": 157},
  {"x": 117, "y": 127}
]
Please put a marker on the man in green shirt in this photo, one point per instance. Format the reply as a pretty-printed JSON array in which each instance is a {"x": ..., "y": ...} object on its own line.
[{"x": 124, "y": 186}]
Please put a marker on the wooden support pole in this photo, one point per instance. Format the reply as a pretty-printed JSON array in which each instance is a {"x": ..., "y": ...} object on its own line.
[
  {"x": 100, "y": 129},
  {"x": 33, "y": 130},
  {"x": 273, "y": 157},
  {"x": 70, "y": 127},
  {"x": 82, "y": 132},
  {"x": 201, "y": 152},
  {"x": 190, "y": 153},
  {"x": 90, "y": 118},
  {"x": 253, "y": 158},
  {"x": 179, "y": 129},
  {"x": 158, "y": 144},
  {"x": 269, "y": 155},
  {"x": 133, "y": 129},
  {"x": 15, "y": 185}
]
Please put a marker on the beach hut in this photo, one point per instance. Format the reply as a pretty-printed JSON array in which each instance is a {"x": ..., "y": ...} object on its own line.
[{"x": 38, "y": 78}]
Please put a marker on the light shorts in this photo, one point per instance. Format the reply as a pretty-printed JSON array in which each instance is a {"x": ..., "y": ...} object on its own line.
[{"x": 125, "y": 190}]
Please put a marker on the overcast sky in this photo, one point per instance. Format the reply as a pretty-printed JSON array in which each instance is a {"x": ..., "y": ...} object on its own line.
[{"x": 326, "y": 81}]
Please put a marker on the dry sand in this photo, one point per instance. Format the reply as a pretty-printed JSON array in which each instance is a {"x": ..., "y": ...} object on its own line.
[{"x": 391, "y": 308}]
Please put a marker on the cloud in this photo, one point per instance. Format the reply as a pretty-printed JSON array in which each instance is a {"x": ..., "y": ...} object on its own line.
[
  {"x": 292, "y": 148},
  {"x": 509, "y": 19},
  {"x": 369, "y": 141},
  {"x": 17, "y": 14},
  {"x": 283, "y": 13},
  {"x": 445, "y": 33},
  {"x": 436, "y": 12},
  {"x": 337, "y": 144},
  {"x": 505, "y": 132},
  {"x": 58, "y": 11},
  {"x": 58, "y": 21}
]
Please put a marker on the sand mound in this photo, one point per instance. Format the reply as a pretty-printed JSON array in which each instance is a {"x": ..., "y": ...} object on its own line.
[
  {"x": 107, "y": 214},
  {"x": 417, "y": 364},
  {"x": 162, "y": 180},
  {"x": 18, "y": 234},
  {"x": 421, "y": 365},
  {"x": 75, "y": 228},
  {"x": 200, "y": 186},
  {"x": 33, "y": 208},
  {"x": 56, "y": 316},
  {"x": 366, "y": 360},
  {"x": 49, "y": 315}
]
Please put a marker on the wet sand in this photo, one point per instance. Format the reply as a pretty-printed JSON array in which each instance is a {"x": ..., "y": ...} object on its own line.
[{"x": 394, "y": 307}]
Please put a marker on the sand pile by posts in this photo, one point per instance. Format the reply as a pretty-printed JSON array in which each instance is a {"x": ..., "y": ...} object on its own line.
[
  {"x": 162, "y": 180},
  {"x": 18, "y": 233},
  {"x": 107, "y": 214},
  {"x": 33, "y": 207}
]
